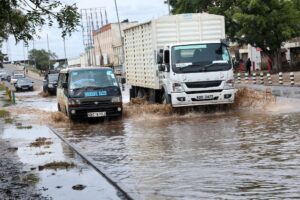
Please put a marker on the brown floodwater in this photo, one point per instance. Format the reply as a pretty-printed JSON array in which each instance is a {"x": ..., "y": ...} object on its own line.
[
  {"x": 227, "y": 155},
  {"x": 248, "y": 153}
]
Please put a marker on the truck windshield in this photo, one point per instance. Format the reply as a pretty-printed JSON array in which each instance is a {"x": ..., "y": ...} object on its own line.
[
  {"x": 92, "y": 79},
  {"x": 200, "y": 58}
]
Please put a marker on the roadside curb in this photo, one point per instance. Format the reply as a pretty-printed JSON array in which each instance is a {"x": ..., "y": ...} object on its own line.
[
  {"x": 276, "y": 90},
  {"x": 128, "y": 194}
]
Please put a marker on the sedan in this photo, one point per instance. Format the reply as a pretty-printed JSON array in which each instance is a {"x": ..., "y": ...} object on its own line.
[
  {"x": 24, "y": 84},
  {"x": 3, "y": 75}
]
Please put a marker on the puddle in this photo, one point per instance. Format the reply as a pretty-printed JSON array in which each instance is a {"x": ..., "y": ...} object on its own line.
[{"x": 59, "y": 172}]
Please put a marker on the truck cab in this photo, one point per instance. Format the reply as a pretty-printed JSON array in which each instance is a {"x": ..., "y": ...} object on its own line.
[
  {"x": 89, "y": 92},
  {"x": 194, "y": 74}
]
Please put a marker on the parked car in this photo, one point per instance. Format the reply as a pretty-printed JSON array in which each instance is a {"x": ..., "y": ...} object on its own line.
[
  {"x": 4, "y": 75},
  {"x": 50, "y": 83},
  {"x": 89, "y": 92},
  {"x": 24, "y": 84},
  {"x": 17, "y": 75}
]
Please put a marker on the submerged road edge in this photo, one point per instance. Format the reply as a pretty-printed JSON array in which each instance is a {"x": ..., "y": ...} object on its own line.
[{"x": 130, "y": 195}]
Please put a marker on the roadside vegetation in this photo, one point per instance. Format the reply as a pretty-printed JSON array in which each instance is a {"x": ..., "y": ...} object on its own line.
[
  {"x": 263, "y": 24},
  {"x": 57, "y": 165},
  {"x": 4, "y": 114},
  {"x": 2, "y": 87},
  {"x": 39, "y": 142}
]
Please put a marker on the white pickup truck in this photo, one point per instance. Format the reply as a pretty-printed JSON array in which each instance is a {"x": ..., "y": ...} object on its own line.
[{"x": 182, "y": 60}]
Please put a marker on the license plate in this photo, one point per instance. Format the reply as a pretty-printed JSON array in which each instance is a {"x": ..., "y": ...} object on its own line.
[
  {"x": 206, "y": 97},
  {"x": 25, "y": 88},
  {"x": 96, "y": 114}
]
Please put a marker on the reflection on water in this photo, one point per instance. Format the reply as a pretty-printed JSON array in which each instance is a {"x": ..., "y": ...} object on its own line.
[
  {"x": 52, "y": 183},
  {"x": 234, "y": 156}
]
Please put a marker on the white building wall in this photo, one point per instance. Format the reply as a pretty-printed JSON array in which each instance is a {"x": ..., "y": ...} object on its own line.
[
  {"x": 106, "y": 39},
  {"x": 74, "y": 62}
]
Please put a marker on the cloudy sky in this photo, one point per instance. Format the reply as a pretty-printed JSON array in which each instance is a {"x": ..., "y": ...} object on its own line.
[{"x": 134, "y": 10}]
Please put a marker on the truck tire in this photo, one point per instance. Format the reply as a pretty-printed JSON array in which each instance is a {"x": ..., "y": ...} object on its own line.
[
  {"x": 165, "y": 98},
  {"x": 58, "y": 108}
]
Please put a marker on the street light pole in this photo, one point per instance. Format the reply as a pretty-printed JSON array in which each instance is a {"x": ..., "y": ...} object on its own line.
[
  {"x": 48, "y": 51},
  {"x": 65, "y": 52},
  {"x": 120, "y": 31},
  {"x": 169, "y": 7}
]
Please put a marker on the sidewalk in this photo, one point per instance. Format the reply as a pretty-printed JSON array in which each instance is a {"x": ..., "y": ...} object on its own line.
[
  {"x": 274, "y": 77},
  {"x": 276, "y": 90}
]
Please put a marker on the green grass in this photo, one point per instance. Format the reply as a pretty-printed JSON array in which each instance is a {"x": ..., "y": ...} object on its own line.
[
  {"x": 8, "y": 120},
  {"x": 24, "y": 127},
  {"x": 2, "y": 87},
  {"x": 4, "y": 114},
  {"x": 34, "y": 70},
  {"x": 31, "y": 179}
]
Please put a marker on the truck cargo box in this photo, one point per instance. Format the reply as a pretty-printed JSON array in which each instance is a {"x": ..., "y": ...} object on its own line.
[{"x": 144, "y": 40}]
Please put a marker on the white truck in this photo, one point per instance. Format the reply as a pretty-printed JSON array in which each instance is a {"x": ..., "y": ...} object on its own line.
[{"x": 182, "y": 60}]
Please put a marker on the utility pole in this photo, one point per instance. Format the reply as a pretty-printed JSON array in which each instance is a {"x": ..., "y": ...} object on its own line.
[
  {"x": 65, "y": 52},
  {"x": 28, "y": 55},
  {"x": 169, "y": 6},
  {"x": 120, "y": 31},
  {"x": 33, "y": 49},
  {"x": 48, "y": 51},
  {"x": 24, "y": 52}
]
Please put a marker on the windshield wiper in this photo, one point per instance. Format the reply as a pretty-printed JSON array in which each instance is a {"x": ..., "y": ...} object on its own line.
[
  {"x": 214, "y": 64},
  {"x": 189, "y": 66}
]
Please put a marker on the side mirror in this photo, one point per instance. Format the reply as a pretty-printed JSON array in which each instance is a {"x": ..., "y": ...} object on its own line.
[
  {"x": 123, "y": 80},
  {"x": 161, "y": 68},
  {"x": 65, "y": 85},
  {"x": 160, "y": 57},
  {"x": 167, "y": 57}
]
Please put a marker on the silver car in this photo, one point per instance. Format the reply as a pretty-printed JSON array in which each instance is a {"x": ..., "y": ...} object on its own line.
[{"x": 4, "y": 75}]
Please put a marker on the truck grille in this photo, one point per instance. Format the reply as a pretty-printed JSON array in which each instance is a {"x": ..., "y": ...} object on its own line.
[
  {"x": 203, "y": 84},
  {"x": 204, "y": 91}
]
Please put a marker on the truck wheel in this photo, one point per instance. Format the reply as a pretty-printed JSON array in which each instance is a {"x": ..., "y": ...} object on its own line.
[
  {"x": 132, "y": 93},
  {"x": 58, "y": 107},
  {"x": 66, "y": 112},
  {"x": 165, "y": 98}
]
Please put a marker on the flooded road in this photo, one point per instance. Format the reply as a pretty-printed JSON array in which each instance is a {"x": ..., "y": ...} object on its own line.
[
  {"x": 237, "y": 154},
  {"x": 232, "y": 156}
]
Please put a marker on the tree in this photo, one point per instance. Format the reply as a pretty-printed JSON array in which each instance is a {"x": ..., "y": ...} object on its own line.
[
  {"x": 42, "y": 59},
  {"x": 22, "y": 18},
  {"x": 266, "y": 24}
]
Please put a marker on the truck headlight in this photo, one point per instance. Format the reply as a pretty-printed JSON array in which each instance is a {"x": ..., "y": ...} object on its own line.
[
  {"x": 229, "y": 84},
  {"x": 116, "y": 99},
  {"x": 177, "y": 87}
]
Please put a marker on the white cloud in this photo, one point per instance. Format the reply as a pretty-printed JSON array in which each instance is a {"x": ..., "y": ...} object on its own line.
[{"x": 134, "y": 10}]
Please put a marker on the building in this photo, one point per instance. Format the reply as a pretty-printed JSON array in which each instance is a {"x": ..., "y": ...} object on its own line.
[
  {"x": 81, "y": 61},
  {"x": 108, "y": 44},
  {"x": 293, "y": 50}
]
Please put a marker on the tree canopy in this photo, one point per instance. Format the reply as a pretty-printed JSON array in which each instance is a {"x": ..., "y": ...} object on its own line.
[
  {"x": 22, "y": 18},
  {"x": 266, "y": 24},
  {"x": 42, "y": 58}
]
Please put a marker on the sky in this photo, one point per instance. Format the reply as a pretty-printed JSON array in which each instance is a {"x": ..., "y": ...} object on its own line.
[{"x": 134, "y": 10}]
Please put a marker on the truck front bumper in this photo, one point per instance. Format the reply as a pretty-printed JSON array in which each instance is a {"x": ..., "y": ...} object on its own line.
[{"x": 203, "y": 98}]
